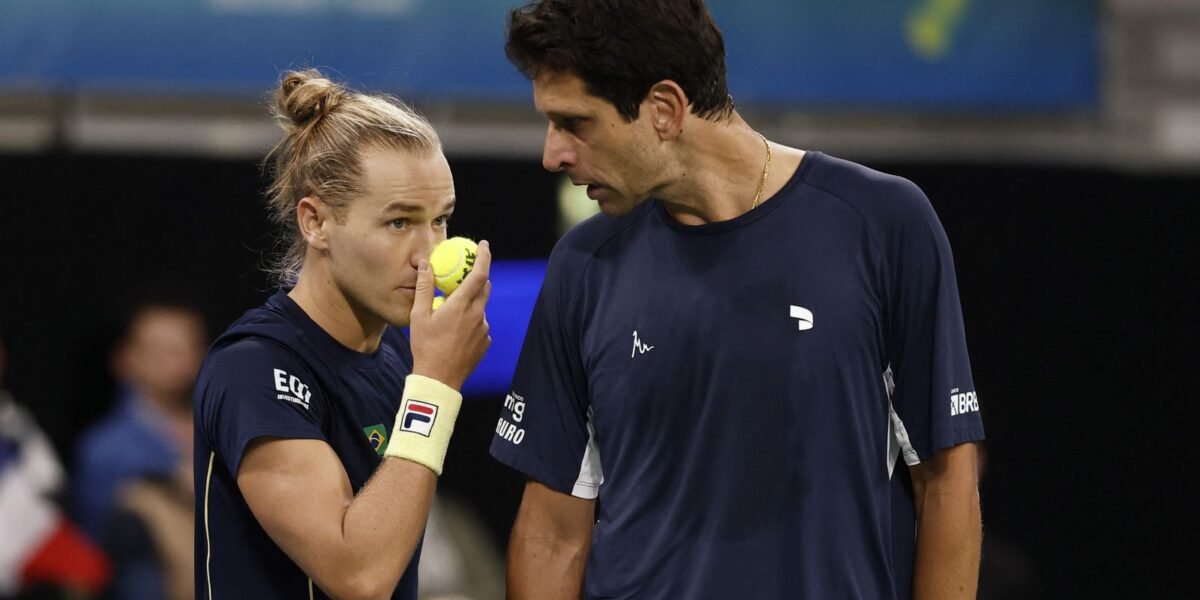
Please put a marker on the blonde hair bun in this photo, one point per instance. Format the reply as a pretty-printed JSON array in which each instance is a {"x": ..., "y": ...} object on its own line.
[{"x": 306, "y": 96}]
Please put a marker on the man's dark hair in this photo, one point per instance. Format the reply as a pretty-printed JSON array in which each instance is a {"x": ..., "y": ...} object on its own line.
[
  {"x": 620, "y": 48},
  {"x": 159, "y": 295}
]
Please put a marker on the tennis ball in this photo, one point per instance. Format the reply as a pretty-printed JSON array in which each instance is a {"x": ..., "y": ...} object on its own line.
[
  {"x": 438, "y": 301},
  {"x": 450, "y": 261}
]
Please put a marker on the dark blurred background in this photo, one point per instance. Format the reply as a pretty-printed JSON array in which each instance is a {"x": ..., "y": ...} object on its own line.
[{"x": 1067, "y": 177}]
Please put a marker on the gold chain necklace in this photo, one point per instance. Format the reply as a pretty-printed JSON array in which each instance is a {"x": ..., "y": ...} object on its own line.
[{"x": 766, "y": 169}]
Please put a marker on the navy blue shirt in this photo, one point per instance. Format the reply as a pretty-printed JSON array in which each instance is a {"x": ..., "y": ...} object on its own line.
[
  {"x": 739, "y": 395},
  {"x": 277, "y": 373}
]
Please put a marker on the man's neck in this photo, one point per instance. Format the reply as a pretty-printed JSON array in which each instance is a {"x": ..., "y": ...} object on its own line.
[
  {"x": 334, "y": 313},
  {"x": 722, "y": 169}
]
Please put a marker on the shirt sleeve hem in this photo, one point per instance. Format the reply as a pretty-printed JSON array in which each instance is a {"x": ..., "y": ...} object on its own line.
[
  {"x": 235, "y": 462},
  {"x": 959, "y": 437},
  {"x": 535, "y": 470}
]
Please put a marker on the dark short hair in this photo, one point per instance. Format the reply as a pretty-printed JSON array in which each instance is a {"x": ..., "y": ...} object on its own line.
[{"x": 620, "y": 48}]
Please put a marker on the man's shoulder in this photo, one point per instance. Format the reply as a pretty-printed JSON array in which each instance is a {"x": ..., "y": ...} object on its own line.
[
  {"x": 264, "y": 340},
  {"x": 872, "y": 192},
  {"x": 265, "y": 331},
  {"x": 584, "y": 241}
]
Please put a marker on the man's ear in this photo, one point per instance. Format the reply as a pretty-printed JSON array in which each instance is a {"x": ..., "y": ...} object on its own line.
[
  {"x": 667, "y": 107},
  {"x": 312, "y": 217}
]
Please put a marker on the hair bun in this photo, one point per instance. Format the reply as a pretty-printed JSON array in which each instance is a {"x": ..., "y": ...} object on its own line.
[{"x": 305, "y": 96}]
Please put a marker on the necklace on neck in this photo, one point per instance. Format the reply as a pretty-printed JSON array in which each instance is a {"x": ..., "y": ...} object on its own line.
[{"x": 766, "y": 169}]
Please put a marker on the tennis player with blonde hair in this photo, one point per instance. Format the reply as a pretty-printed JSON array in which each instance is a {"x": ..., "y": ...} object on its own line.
[{"x": 320, "y": 427}]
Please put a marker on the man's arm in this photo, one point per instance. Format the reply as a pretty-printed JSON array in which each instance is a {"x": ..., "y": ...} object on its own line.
[
  {"x": 949, "y": 527},
  {"x": 352, "y": 547},
  {"x": 549, "y": 545}
]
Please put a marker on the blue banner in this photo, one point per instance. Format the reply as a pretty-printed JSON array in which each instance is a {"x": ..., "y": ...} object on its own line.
[
  {"x": 515, "y": 286},
  {"x": 1024, "y": 55}
]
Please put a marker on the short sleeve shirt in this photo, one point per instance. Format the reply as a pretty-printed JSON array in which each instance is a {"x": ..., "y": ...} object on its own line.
[
  {"x": 275, "y": 373},
  {"x": 738, "y": 395}
]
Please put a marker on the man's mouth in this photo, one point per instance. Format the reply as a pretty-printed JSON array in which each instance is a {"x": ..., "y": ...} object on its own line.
[{"x": 594, "y": 190}]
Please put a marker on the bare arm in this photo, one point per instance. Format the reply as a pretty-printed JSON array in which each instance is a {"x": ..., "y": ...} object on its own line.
[
  {"x": 949, "y": 526},
  {"x": 549, "y": 545},
  {"x": 352, "y": 547},
  {"x": 359, "y": 546}
]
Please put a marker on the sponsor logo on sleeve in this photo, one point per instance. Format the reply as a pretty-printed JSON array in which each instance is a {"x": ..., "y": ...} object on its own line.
[
  {"x": 418, "y": 417},
  {"x": 291, "y": 389},
  {"x": 508, "y": 427},
  {"x": 963, "y": 403}
]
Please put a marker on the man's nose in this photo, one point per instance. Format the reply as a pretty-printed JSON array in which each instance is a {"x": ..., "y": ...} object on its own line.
[
  {"x": 426, "y": 240},
  {"x": 557, "y": 153}
]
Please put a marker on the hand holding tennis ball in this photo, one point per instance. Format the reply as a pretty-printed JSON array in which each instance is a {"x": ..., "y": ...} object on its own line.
[{"x": 448, "y": 343}]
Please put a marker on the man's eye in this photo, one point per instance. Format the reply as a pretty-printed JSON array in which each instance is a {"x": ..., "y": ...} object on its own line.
[
  {"x": 441, "y": 221},
  {"x": 398, "y": 223},
  {"x": 569, "y": 124}
]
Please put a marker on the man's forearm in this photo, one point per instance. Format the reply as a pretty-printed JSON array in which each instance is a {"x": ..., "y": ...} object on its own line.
[
  {"x": 949, "y": 535},
  {"x": 393, "y": 506},
  {"x": 540, "y": 568}
]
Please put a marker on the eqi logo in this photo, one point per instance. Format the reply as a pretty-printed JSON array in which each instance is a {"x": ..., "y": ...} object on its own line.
[
  {"x": 291, "y": 389},
  {"x": 418, "y": 417},
  {"x": 961, "y": 404}
]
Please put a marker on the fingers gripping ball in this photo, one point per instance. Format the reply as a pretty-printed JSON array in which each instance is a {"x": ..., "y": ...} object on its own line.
[{"x": 450, "y": 261}]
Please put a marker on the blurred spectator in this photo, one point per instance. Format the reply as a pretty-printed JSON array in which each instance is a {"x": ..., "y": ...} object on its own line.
[
  {"x": 155, "y": 364},
  {"x": 41, "y": 553},
  {"x": 133, "y": 489}
]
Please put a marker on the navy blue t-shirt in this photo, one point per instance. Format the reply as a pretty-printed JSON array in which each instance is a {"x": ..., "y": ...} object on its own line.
[
  {"x": 277, "y": 373},
  {"x": 738, "y": 395}
]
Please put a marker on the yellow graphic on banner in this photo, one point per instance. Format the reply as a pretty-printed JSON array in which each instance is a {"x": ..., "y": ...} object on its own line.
[{"x": 931, "y": 27}]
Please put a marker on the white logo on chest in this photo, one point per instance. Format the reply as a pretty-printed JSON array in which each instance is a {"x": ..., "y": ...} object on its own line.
[
  {"x": 804, "y": 315},
  {"x": 638, "y": 346}
]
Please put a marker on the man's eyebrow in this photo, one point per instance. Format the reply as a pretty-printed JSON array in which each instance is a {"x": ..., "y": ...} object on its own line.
[
  {"x": 401, "y": 206},
  {"x": 556, "y": 115},
  {"x": 412, "y": 207}
]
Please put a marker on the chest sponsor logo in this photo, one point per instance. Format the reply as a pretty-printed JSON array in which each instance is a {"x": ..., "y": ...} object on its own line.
[
  {"x": 377, "y": 436},
  {"x": 418, "y": 417},
  {"x": 963, "y": 403},
  {"x": 291, "y": 389},
  {"x": 803, "y": 315},
  {"x": 639, "y": 347}
]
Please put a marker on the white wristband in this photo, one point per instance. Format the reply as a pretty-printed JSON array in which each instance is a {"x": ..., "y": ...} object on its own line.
[{"x": 425, "y": 422}]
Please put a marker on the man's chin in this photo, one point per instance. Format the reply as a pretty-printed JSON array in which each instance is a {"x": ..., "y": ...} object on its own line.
[
  {"x": 400, "y": 315},
  {"x": 616, "y": 207}
]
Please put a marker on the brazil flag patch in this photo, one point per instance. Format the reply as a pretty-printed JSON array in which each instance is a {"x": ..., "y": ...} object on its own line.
[{"x": 377, "y": 436}]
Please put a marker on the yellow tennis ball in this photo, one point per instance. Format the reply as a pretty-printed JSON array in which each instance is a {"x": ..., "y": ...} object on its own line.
[
  {"x": 438, "y": 301},
  {"x": 450, "y": 261}
]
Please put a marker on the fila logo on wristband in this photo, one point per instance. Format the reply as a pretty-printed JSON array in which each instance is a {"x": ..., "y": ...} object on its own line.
[{"x": 418, "y": 417}]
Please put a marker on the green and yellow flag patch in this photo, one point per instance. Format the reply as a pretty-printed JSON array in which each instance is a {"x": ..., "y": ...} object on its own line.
[{"x": 377, "y": 435}]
